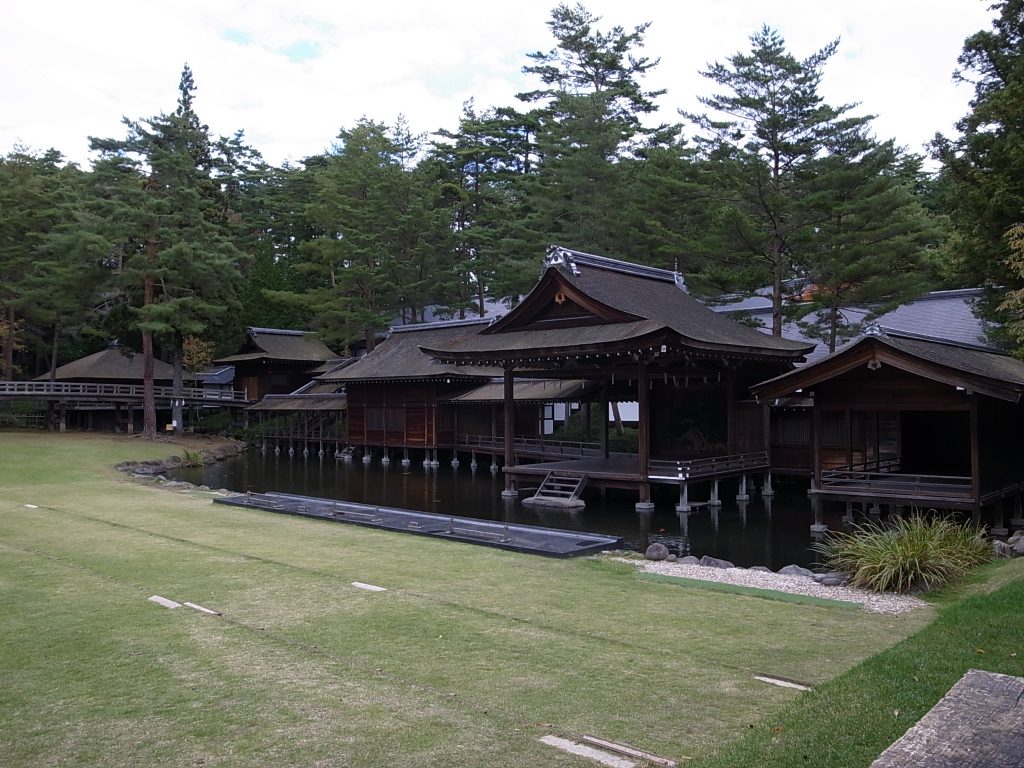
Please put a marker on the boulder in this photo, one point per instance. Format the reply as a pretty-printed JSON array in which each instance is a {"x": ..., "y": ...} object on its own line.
[
  {"x": 796, "y": 570},
  {"x": 831, "y": 581},
  {"x": 656, "y": 551},
  {"x": 689, "y": 560},
  {"x": 714, "y": 562},
  {"x": 760, "y": 569},
  {"x": 671, "y": 559},
  {"x": 1015, "y": 537},
  {"x": 1002, "y": 550},
  {"x": 1018, "y": 546}
]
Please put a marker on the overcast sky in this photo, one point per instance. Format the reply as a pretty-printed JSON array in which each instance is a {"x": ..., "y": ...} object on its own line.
[{"x": 291, "y": 74}]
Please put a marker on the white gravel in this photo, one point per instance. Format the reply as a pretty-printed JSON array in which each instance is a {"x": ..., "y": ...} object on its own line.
[{"x": 876, "y": 602}]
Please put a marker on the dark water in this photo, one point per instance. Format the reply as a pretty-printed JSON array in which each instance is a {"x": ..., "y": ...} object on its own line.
[{"x": 772, "y": 532}]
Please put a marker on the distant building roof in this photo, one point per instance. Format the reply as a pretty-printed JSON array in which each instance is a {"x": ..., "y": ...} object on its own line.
[
  {"x": 115, "y": 364},
  {"x": 941, "y": 315},
  {"x": 585, "y": 302},
  {"x": 283, "y": 346},
  {"x": 399, "y": 358},
  {"x": 217, "y": 375}
]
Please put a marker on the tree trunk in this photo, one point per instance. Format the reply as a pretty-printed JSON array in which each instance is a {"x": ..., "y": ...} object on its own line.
[
  {"x": 176, "y": 408},
  {"x": 776, "y": 287},
  {"x": 148, "y": 394},
  {"x": 8, "y": 371}
]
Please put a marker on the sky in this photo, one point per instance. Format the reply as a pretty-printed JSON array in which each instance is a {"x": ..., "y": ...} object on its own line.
[{"x": 292, "y": 74}]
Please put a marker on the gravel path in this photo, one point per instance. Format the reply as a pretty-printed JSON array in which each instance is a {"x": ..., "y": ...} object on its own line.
[{"x": 876, "y": 602}]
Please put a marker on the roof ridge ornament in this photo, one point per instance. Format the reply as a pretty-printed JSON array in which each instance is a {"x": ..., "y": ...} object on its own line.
[
  {"x": 557, "y": 256},
  {"x": 874, "y": 329}
]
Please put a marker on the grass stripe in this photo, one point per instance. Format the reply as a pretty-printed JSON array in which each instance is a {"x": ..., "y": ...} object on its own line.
[{"x": 739, "y": 589}]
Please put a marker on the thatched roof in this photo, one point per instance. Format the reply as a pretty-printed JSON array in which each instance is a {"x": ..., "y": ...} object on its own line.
[
  {"x": 398, "y": 357},
  {"x": 113, "y": 364},
  {"x": 281, "y": 346}
]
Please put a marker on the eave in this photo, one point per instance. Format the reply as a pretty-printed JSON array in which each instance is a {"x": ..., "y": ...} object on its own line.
[{"x": 870, "y": 351}]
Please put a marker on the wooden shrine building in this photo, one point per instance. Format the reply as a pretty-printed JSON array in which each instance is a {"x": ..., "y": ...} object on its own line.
[
  {"x": 396, "y": 396},
  {"x": 635, "y": 334},
  {"x": 900, "y": 420},
  {"x": 274, "y": 361}
]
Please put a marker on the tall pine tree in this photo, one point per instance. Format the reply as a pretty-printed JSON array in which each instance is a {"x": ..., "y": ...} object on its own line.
[{"x": 178, "y": 268}]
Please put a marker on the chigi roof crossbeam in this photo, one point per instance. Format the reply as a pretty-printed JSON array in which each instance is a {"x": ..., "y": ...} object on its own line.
[{"x": 559, "y": 256}]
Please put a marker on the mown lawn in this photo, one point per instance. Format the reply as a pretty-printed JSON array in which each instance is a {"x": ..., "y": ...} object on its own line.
[{"x": 467, "y": 659}]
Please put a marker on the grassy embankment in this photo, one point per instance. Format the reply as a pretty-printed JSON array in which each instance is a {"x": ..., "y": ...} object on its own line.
[{"x": 467, "y": 659}]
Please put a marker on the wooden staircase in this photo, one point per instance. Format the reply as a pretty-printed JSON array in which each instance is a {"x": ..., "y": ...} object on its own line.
[{"x": 560, "y": 489}]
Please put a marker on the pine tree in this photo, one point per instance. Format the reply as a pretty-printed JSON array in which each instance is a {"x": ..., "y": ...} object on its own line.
[
  {"x": 982, "y": 177},
  {"x": 159, "y": 201},
  {"x": 770, "y": 129}
]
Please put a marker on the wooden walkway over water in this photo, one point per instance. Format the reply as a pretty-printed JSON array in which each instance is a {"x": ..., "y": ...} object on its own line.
[{"x": 80, "y": 392}]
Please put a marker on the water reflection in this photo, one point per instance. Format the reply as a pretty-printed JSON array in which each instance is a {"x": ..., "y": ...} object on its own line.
[{"x": 771, "y": 531}]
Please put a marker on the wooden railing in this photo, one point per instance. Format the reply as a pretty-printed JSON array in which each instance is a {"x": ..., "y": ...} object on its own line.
[
  {"x": 679, "y": 470},
  {"x": 72, "y": 390},
  {"x": 531, "y": 445},
  {"x": 856, "y": 482}
]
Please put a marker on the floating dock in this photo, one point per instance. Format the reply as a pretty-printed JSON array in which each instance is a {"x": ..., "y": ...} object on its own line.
[{"x": 530, "y": 539}]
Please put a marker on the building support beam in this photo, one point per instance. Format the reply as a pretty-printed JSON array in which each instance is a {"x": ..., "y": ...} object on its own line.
[{"x": 510, "y": 426}]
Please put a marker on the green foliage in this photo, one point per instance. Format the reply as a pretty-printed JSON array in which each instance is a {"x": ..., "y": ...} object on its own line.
[
  {"x": 983, "y": 167},
  {"x": 911, "y": 552},
  {"x": 192, "y": 458}
]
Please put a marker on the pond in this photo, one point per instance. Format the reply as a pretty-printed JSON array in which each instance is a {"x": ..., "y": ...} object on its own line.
[{"x": 773, "y": 532}]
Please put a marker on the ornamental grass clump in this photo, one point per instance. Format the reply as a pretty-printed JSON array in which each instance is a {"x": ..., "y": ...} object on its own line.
[{"x": 915, "y": 552}]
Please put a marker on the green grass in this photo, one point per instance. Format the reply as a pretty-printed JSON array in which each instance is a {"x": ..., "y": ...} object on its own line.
[
  {"x": 469, "y": 657},
  {"x": 849, "y": 721}
]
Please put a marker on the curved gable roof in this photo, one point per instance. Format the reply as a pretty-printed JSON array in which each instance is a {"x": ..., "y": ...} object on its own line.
[
  {"x": 987, "y": 372},
  {"x": 627, "y": 304}
]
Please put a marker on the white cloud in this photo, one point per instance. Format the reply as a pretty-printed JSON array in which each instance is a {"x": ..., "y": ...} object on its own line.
[{"x": 74, "y": 69}]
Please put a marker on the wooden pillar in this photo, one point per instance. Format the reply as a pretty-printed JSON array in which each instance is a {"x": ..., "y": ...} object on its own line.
[
  {"x": 815, "y": 446},
  {"x": 730, "y": 411},
  {"x": 643, "y": 388},
  {"x": 975, "y": 457},
  {"x": 849, "y": 438},
  {"x": 604, "y": 419},
  {"x": 510, "y": 426}
]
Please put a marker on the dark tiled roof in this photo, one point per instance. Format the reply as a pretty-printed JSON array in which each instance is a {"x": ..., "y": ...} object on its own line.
[
  {"x": 532, "y": 391},
  {"x": 221, "y": 374},
  {"x": 303, "y": 402},
  {"x": 115, "y": 364},
  {"x": 283, "y": 345},
  {"x": 947, "y": 315},
  {"x": 398, "y": 357},
  {"x": 654, "y": 297}
]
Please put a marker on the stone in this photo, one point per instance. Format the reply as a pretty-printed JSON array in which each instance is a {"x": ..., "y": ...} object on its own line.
[
  {"x": 1015, "y": 537},
  {"x": 1018, "y": 546},
  {"x": 796, "y": 570},
  {"x": 671, "y": 559},
  {"x": 821, "y": 577},
  {"x": 831, "y": 581},
  {"x": 689, "y": 560},
  {"x": 760, "y": 569},
  {"x": 715, "y": 562},
  {"x": 1002, "y": 550},
  {"x": 656, "y": 551}
]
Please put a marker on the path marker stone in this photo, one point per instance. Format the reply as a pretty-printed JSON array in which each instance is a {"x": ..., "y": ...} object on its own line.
[{"x": 163, "y": 601}]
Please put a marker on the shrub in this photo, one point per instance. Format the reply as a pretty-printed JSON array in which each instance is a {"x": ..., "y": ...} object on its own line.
[
  {"x": 910, "y": 552},
  {"x": 190, "y": 458}
]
